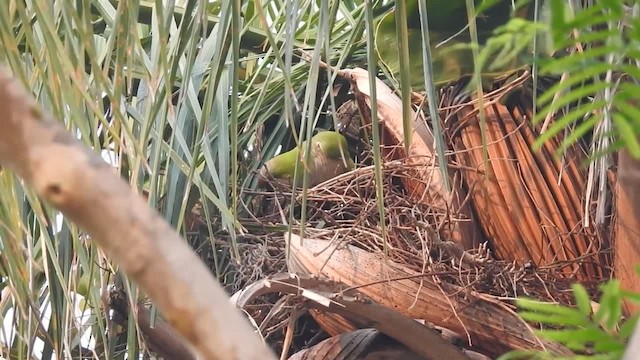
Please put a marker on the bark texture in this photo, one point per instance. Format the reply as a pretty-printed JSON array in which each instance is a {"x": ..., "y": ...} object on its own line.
[{"x": 627, "y": 226}]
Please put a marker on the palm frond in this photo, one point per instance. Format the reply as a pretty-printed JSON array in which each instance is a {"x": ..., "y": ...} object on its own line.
[{"x": 186, "y": 100}]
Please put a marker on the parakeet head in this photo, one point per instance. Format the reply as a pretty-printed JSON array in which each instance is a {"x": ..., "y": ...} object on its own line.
[{"x": 332, "y": 144}]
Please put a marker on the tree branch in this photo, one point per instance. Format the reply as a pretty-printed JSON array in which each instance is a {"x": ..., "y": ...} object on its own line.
[
  {"x": 161, "y": 338},
  {"x": 89, "y": 192}
]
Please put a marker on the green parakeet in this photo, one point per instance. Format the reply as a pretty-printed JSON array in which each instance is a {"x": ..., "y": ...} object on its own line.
[{"x": 329, "y": 158}]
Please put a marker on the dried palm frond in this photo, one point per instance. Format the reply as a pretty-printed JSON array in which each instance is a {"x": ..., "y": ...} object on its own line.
[
  {"x": 529, "y": 203},
  {"x": 319, "y": 293},
  {"x": 488, "y": 324},
  {"x": 422, "y": 277},
  {"x": 426, "y": 183},
  {"x": 360, "y": 344}
]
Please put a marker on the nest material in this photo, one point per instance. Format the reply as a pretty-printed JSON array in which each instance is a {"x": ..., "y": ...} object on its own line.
[
  {"x": 421, "y": 276},
  {"x": 347, "y": 208},
  {"x": 426, "y": 184},
  {"x": 529, "y": 206}
]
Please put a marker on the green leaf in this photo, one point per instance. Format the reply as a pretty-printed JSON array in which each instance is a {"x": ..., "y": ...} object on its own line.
[
  {"x": 577, "y": 61},
  {"x": 581, "y": 76},
  {"x": 582, "y": 299},
  {"x": 628, "y": 134},
  {"x": 523, "y": 354},
  {"x": 430, "y": 88},
  {"x": 565, "y": 100},
  {"x": 610, "y": 305},
  {"x": 628, "y": 326},
  {"x": 576, "y": 336},
  {"x": 402, "y": 42},
  {"x": 566, "y": 120},
  {"x": 551, "y": 308},
  {"x": 581, "y": 130},
  {"x": 554, "y": 319}
]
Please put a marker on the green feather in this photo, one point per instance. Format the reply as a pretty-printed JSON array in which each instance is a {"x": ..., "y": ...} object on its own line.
[{"x": 326, "y": 160}]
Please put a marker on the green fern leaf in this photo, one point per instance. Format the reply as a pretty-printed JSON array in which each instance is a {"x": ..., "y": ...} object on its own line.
[
  {"x": 565, "y": 121},
  {"x": 582, "y": 299},
  {"x": 555, "y": 320}
]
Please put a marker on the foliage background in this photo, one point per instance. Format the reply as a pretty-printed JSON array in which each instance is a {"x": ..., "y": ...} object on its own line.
[{"x": 187, "y": 107}]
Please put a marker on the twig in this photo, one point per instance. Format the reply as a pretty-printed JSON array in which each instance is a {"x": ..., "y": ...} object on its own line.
[{"x": 161, "y": 337}]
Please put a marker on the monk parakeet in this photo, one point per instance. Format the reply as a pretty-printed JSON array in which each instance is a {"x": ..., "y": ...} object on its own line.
[{"x": 329, "y": 158}]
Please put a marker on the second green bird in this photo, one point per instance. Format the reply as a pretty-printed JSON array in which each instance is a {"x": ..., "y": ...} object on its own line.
[{"x": 329, "y": 158}]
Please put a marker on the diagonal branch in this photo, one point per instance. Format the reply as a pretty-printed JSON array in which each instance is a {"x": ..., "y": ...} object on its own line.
[{"x": 89, "y": 192}]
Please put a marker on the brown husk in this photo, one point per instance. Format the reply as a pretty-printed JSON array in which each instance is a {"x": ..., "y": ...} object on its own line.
[{"x": 528, "y": 202}]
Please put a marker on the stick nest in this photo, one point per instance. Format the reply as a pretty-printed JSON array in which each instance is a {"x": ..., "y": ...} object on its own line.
[{"x": 345, "y": 210}]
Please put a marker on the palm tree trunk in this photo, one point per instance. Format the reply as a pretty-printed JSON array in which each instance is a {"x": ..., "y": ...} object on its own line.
[{"x": 627, "y": 225}]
